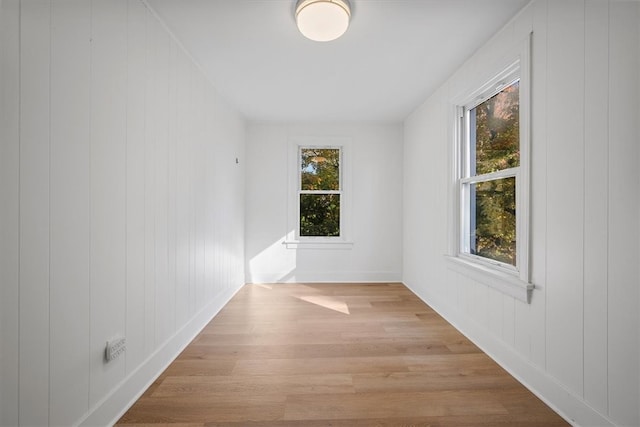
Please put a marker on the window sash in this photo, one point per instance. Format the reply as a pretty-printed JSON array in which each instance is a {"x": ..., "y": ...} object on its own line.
[
  {"x": 465, "y": 219},
  {"x": 466, "y": 180},
  {"x": 298, "y": 234},
  {"x": 340, "y": 167},
  {"x": 511, "y": 76},
  {"x": 315, "y": 229}
]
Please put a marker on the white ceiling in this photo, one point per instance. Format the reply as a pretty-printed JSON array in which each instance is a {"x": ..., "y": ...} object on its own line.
[{"x": 393, "y": 56}]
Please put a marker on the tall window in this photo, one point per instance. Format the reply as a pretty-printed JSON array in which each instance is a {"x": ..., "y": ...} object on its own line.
[
  {"x": 492, "y": 179},
  {"x": 490, "y": 176},
  {"x": 319, "y": 192},
  {"x": 319, "y": 197}
]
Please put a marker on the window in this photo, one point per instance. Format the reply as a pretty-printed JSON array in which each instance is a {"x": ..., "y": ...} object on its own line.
[
  {"x": 491, "y": 240},
  {"x": 491, "y": 156},
  {"x": 319, "y": 198},
  {"x": 319, "y": 192}
]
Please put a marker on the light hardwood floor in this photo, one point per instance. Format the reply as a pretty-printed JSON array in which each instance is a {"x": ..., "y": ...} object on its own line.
[{"x": 334, "y": 355}]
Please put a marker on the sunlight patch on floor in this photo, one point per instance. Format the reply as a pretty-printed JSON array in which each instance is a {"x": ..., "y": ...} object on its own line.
[{"x": 326, "y": 302}]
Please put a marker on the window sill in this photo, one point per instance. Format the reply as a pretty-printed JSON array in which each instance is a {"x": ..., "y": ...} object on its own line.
[
  {"x": 317, "y": 244},
  {"x": 506, "y": 283}
]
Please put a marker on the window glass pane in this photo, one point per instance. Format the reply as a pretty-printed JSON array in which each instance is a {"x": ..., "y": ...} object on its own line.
[
  {"x": 320, "y": 169},
  {"x": 493, "y": 220},
  {"x": 495, "y": 132},
  {"x": 319, "y": 215}
]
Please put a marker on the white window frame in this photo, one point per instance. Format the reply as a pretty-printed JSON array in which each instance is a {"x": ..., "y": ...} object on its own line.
[
  {"x": 293, "y": 239},
  {"x": 509, "y": 279}
]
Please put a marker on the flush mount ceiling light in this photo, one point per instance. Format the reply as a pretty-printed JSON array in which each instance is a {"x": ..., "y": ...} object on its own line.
[{"x": 323, "y": 20}]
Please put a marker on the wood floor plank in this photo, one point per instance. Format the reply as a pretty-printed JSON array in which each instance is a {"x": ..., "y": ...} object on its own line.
[
  {"x": 255, "y": 385},
  {"x": 334, "y": 365},
  {"x": 297, "y": 351},
  {"x": 440, "y": 421},
  {"x": 390, "y": 404},
  {"x": 430, "y": 381},
  {"x": 350, "y": 355}
]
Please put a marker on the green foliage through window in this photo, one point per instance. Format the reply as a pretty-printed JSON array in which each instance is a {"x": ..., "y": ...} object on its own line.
[
  {"x": 320, "y": 192},
  {"x": 495, "y": 220},
  {"x": 496, "y": 132},
  {"x": 320, "y": 215},
  {"x": 320, "y": 169}
]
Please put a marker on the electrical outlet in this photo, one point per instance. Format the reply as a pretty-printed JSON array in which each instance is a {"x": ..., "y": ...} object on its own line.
[{"x": 115, "y": 348}]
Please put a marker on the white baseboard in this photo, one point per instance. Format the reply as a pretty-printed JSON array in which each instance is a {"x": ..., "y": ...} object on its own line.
[
  {"x": 124, "y": 395},
  {"x": 568, "y": 405}
]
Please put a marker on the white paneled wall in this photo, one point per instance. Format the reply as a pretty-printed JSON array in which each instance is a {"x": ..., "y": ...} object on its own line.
[
  {"x": 596, "y": 245},
  {"x": 9, "y": 211},
  {"x": 34, "y": 228},
  {"x": 576, "y": 344},
  {"x": 122, "y": 206},
  {"x": 70, "y": 217}
]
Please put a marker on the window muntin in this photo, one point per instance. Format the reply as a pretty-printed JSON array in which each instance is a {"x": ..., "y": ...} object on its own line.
[
  {"x": 489, "y": 185},
  {"x": 319, "y": 192}
]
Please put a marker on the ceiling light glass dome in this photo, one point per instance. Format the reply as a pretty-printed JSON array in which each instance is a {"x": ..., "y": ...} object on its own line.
[{"x": 323, "y": 20}]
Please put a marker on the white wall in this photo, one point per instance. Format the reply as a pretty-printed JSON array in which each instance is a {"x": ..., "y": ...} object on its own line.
[
  {"x": 576, "y": 344},
  {"x": 122, "y": 206},
  {"x": 376, "y": 161}
]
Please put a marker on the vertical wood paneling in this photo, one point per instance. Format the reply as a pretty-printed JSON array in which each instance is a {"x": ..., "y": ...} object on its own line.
[
  {"x": 508, "y": 319},
  {"x": 565, "y": 175},
  {"x": 34, "y": 212},
  {"x": 106, "y": 141},
  {"x": 191, "y": 137},
  {"x": 171, "y": 188},
  {"x": 209, "y": 200},
  {"x": 523, "y": 328},
  {"x": 205, "y": 162},
  {"x": 495, "y": 313},
  {"x": 9, "y": 209},
  {"x": 442, "y": 176},
  {"x": 163, "y": 299},
  {"x": 216, "y": 179},
  {"x": 538, "y": 205},
  {"x": 595, "y": 203},
  {"x": 467, "y": 289},
  {"x": 136, "y": 79},
  {"x": 108, "y": 195},
  {"x": 69, "y": 257},
  {"x": 478, "y": 302},
  {"x": 182, "y": 220},
  {"x": 452, "y": 286},
  {"x": 189, "y": 134},
  {"x": 151, "y": 121},
  {"x": 199, "y": 186},
  {"x": 461, "y": 292},
  {"x": 623, "y": 213}
]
